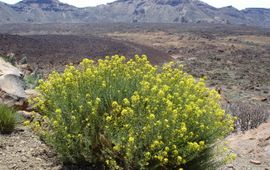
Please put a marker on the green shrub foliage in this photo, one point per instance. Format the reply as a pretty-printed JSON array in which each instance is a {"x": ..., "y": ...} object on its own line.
[
  {"x": 130, "y": 114},
  {"x": 7, "y": 119}
]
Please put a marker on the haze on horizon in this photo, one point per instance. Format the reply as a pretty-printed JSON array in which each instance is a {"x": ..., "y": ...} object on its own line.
[{"x": 240, "y": 4}]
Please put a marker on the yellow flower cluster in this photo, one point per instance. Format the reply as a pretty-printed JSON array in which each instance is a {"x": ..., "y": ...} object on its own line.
[
  {"x": 169, "y": 105},
  {"x": 130, "y": 111}
]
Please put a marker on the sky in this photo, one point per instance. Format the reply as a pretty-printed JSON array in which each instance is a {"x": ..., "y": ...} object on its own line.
[{"x": 240, "y": 4}]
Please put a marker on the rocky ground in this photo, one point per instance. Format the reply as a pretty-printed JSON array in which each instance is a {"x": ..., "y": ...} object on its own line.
[
  {"x": 252, "y": 149},
  {"x": 23, "y": 150},
  {"x": 49, "y": 52}
]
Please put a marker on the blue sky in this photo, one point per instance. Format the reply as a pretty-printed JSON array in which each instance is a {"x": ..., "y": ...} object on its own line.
[{"x": 240, "y": 4}]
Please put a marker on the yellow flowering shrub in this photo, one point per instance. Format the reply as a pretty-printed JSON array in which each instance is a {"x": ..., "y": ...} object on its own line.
[{"x": 130, "y": 114}]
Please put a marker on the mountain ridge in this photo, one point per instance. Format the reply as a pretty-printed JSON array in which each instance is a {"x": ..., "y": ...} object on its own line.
[{"x": 148, "y": 11}]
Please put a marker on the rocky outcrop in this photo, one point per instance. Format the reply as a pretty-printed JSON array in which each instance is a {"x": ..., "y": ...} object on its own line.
[
  {"x": 13, "y": 85},
  {"x": 6, "y": 68},
  {"x": 12, "y": 90}
]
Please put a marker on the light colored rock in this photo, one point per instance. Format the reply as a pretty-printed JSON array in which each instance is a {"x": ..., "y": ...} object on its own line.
[
  {"x": 30, "y": 93},
  {"x": 256, "y": 162},
  {"x": 230, "y": 166},
  {"x": 267, "y": 150},
  {"x": 25, "y": 69},
  {"x": 7, "y": 68},
  {"x": 13, "y": 85},
  {"x": 25, "y": 114},
  {"x": 9, "y": 100}
]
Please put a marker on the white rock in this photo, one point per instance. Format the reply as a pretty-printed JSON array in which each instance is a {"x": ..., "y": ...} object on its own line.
[
  {"x": 25, "y": 114},
  {"x": 255, "y": 162},
  {"x": 12, "y": 85},
  {"x": 7, "y": 68}
]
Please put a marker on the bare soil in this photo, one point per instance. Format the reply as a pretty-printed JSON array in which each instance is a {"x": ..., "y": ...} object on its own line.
[
  {"x": 23, "y": 150},
  {"x": 252, "y": 149}
]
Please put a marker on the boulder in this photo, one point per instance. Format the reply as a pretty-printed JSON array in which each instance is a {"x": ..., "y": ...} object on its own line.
[
  {"x": 25, "y": 69},
  {"x": 12, "y": 85},
  {"x": 26, "y": 115},
  {"x": 12, "y": 88},
  {"x": 7, "y": 68}
]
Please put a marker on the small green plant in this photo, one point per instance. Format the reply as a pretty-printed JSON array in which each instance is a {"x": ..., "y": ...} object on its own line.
[
  {"x": 31, "y": 80},
  {"x": 7, "y": 119},
  {"x": 23, "y": 60},
  {"x": 131, "y": 115},
  {"x": 11, "y": 58}
]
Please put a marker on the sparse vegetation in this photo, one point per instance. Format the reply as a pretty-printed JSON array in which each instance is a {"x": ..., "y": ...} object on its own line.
[
  {"x": 23, "y": 60},
  {"x": 10, "y": 58},
  {"x": 31, "y": 80},
  {"x": 131, "y": 115},
  {"x": 7, "y": 119},
  {"x": 249, "y": 115}
]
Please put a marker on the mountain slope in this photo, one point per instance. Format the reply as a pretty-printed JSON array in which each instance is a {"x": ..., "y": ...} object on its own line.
[
  {"x": 45, "y": 11},
  {"x": 153, "y": 11},
  {"x": 258, "y": 16},
  {"x": 8, "y": 15},
  {"x": 177, "y": 11},
  {"x": 165, "y": 11}
]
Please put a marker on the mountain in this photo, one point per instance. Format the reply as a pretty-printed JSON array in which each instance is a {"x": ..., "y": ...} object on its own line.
[
  {"x": 150, "y": 11},
  {"x": 45, "y": 11},
  {"x": 165, "y": 11},
  {"x": 258, "y": 16},
  {"x": 8, "y": 14}
]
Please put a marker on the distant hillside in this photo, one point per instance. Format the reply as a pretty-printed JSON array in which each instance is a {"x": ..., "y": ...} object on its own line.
[{"x": 150, "y": 11}]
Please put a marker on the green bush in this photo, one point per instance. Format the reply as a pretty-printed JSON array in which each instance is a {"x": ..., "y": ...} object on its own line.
[
  {"x": 7, "y": 119},
  {"x": 130, "y": 115}
]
